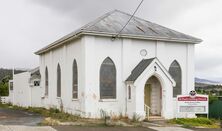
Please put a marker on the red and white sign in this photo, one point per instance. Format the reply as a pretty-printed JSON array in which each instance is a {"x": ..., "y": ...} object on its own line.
[
  {"x": 192, "y": 104},
  {"x": 189, "y": 98}
]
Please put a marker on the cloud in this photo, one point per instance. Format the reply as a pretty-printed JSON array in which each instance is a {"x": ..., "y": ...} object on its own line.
[
  {"x": 151, "y": 9},
  {"x": 28, "y": 25}
]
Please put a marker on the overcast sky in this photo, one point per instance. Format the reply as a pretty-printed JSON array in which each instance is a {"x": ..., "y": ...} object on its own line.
[{"x": 28, "y": 25}]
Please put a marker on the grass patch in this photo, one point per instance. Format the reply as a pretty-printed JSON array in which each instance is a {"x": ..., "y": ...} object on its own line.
[{"x": 196, "y": 122}]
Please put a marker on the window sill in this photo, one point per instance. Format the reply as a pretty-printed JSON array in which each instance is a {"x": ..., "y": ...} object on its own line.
[
  {"x": 75, "y": 99},
  {"x": 58, "y": 97},
  {"x": 108, "y": 100}
]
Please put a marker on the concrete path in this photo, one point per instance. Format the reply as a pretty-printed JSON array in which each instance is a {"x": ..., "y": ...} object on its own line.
[
  {"x": 25, "y": 128},
  {"x": 74, "y": 128},
  {"x": 170, "y": 129}
]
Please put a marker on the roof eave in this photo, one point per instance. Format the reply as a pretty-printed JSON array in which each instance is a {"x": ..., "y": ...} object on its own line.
[
  {"x": 196, "y": 41},
  {"x": 58, "y": 43},
  {"x": 81, "y": 32}
]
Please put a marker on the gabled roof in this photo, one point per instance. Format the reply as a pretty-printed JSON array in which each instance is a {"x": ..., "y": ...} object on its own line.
[
  {"x": 35, "y": 71},
  {"x": 111, "y": 23},
  {"x": 138, "y": 70},
  {"x": 145, "y": 63}
]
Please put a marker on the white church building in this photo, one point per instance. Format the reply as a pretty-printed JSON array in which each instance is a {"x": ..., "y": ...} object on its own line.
[{"x": 139, "y": 72}]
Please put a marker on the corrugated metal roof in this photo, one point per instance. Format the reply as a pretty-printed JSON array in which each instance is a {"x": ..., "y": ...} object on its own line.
[
  {"x": 111, "y": 23},
  {"x": 138, "y": 70}
]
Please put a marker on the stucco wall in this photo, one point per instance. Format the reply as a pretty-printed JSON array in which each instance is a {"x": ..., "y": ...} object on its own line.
[
  {"x": 36, "y": 94},
  {"x": 90, "y": 51},
  {"x": 22, "y": 89},
  {"x": 24, "y": 93},
  {"x": 64, "y": 56}
]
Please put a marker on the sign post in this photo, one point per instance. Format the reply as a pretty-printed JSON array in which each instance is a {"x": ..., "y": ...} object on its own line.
[{"x": 193, "y": 103}]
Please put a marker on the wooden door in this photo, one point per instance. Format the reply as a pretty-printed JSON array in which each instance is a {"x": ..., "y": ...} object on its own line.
[{"x": 147, "y": 95}]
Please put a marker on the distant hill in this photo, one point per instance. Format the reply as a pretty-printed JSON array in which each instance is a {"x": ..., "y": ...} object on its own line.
[
  {"x": 206, "y": 82},
  {"x": 8, "y": 72}
]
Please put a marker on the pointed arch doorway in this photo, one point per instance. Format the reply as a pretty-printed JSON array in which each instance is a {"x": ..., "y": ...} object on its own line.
[{"x": 153, "y": 97}]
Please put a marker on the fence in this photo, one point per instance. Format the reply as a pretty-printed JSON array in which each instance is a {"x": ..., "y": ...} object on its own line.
[
  {"x": 215, "y": 109},
  {"x": 4, "y": 99}
]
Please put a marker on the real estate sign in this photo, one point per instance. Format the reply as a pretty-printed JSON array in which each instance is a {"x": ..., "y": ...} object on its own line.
[{"x": 192, "y": 103}]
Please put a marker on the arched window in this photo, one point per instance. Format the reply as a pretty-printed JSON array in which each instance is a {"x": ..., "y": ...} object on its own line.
[
  {"x": 46, "y": 82},
  {"x": 58, "y": 81},
  {"x": 74, "y": 80},
  {"x": 175, "y": 72},
  {"x": 107, "y": 79},
  {"x": 129, "y": 92}
]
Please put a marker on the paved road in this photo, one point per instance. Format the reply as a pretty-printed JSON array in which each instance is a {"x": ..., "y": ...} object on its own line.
[{"x": 17, "y": 117}]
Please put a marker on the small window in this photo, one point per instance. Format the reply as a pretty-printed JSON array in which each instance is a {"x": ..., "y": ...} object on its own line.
[
  {"x": 75, "y": 80},
  {"x": 129, "y": 92},
  {"x": 107, "y": 79},
  {"x": 58, "y": 81},
  {"x": 11, "y": 85},
  {"x": 36, "y": 83},
  {"x": 46, "y": 82}
]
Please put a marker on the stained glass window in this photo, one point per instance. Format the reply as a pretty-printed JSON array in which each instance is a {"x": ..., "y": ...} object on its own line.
[
  {"x": 75, "y": 80},
  {"x": 175, "y": 72},
  {"x": 108, "y": 79},
  {"x": 46, "y": 82},
  {"x": 58, "y": 81}
]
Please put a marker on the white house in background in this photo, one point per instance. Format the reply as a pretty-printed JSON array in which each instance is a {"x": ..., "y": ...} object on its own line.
[
  {"x": 90, "y": 70},
  {"x": 25, "y": 90},
  {"x": 10, "y": 96}
]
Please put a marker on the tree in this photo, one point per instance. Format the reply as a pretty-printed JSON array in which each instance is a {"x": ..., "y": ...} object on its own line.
[{"x": 4, "y": 86}]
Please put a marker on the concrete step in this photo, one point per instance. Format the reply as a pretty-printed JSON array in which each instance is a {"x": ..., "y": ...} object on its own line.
[{"x": 156, "y": 118}]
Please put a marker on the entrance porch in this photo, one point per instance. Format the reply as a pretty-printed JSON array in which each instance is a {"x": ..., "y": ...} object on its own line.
[{"x": 151, "y": 91}]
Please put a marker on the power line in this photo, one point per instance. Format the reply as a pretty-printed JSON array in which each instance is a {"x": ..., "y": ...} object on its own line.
[{"x": 114, "y": 37}]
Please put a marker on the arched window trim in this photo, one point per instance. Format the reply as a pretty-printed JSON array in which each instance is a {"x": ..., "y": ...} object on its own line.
[
  {"x": 104, "y": 93},
  {"x": 180, "y": 86},
  {"x": 74, "y": 80},
  {"x": 46, "y": 81},
  {"x": 59, "y": 81}
]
